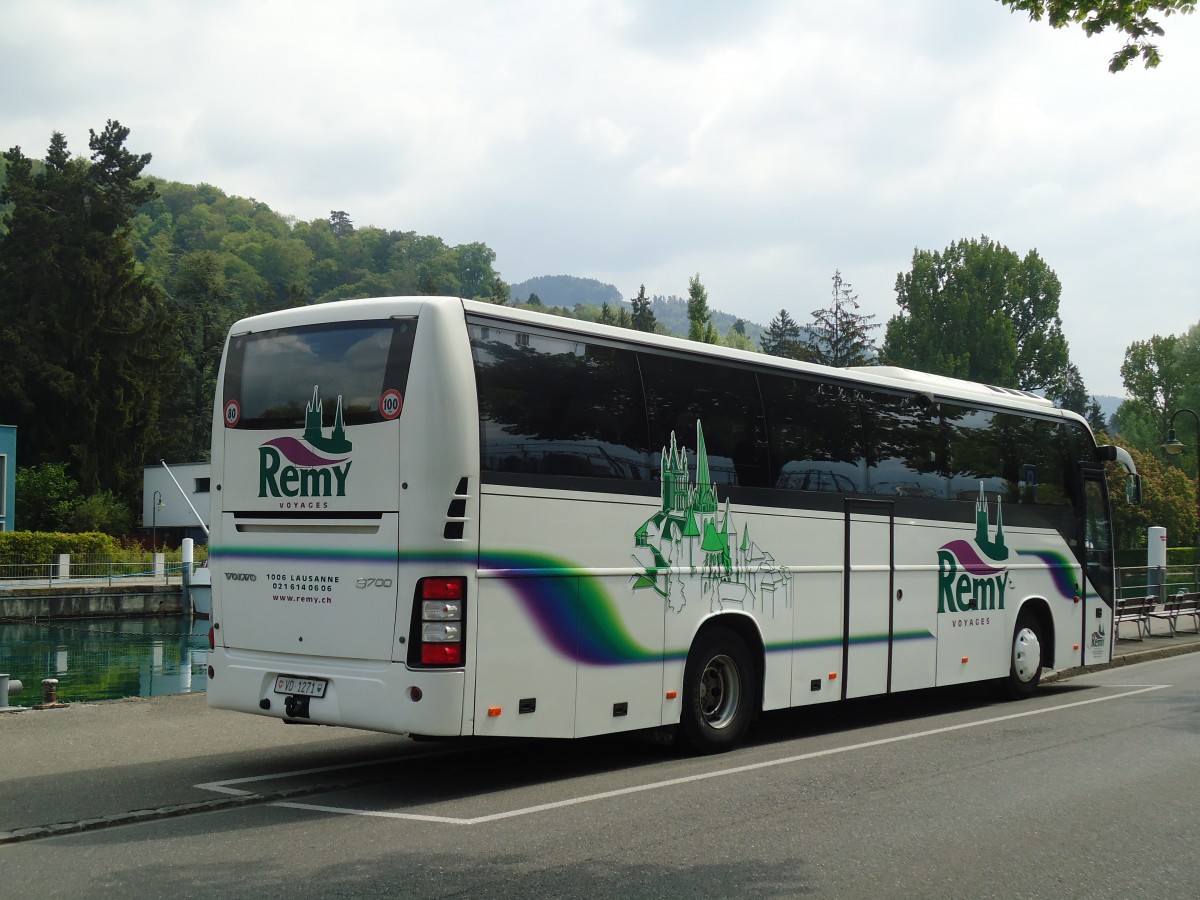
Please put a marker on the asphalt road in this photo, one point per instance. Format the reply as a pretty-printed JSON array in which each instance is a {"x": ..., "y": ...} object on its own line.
[{"x": 1087, "y": 790}]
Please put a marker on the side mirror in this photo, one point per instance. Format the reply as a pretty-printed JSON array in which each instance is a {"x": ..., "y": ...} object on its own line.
[{"x": 1133, "y": 489}]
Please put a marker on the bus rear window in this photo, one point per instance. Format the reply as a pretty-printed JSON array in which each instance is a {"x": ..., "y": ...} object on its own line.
[{"x": 272, "y": 377}]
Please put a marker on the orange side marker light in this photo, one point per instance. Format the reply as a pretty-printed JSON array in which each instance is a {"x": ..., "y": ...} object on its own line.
[
  {"x": 671, "y": 695},
  {"x": 493, "y": 712}
]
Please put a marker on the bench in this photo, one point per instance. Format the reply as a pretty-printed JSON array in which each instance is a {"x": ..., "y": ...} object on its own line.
[
  {"x": 1175, "y": 606},
  {"x": 1136, "y": 610}
]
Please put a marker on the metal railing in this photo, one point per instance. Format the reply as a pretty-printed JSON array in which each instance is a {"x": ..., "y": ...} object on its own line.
[
  {"x": 1142, "y": 581},
  {"x": 107, "y": 572}
]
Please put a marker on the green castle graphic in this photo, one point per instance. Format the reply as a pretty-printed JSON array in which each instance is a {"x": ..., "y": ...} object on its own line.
[
  {"x": 336, "y": 442},
  {"x": 995, "y": 550},
  {"x": 691, "y": 545}
]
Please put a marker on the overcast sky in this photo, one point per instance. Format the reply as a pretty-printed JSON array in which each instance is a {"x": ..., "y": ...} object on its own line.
[{"x": 761, "y": 144}]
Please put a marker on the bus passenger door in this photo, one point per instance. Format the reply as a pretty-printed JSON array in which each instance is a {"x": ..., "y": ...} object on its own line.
[
  {"x": 1097, "y": 558},
  {"x": 869, "y": 566}
]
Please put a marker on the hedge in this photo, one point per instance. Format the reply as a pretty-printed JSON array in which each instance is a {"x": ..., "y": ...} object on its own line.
[
  {"x": 1176, "y": 556},
  {"x": 38, "y": 547}
]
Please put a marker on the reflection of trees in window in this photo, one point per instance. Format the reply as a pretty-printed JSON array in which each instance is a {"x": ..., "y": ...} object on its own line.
[
  {"x": 559, "y": 407},
  {"x": 814, "y": 435},
  {"x": 724, "y": 399},
  {"x": 1018, "y": 458},
  {"x": 974, "y": 454},
  {"x": 902, "y": 445}
]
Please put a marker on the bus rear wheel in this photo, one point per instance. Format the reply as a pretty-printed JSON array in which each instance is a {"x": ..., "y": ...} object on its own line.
[
  {"x": 1025, "y": 667},
  {"x": 718, "y": 692}
]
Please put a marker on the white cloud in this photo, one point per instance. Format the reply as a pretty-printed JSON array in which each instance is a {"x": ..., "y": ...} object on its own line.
[{"x": 761, "y": 144}]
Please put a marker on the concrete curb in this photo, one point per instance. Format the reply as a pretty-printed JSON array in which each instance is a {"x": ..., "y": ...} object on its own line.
[{"x": 1125, "y": 659}]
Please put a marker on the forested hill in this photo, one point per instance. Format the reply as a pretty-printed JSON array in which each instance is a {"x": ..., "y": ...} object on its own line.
[
  {"x": 114, "y": 310},
  {"x": 567, "y": 292}
]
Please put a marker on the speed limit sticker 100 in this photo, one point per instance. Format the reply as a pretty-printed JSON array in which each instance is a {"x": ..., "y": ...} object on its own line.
[{"x": 390, "y": 404}]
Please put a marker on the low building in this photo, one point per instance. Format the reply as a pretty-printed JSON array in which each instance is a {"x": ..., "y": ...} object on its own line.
[
  {"x": 170, "y": 511},
  {"x": 8, "y": 476}
]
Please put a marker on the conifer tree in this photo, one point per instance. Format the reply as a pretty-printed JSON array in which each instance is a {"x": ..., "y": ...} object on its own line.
[
  {"x": 838, "y": 335},
  {"x": 87, "y": 348},
  {"x": 643, "y": 316},
  {"x": 700, "y": 326},
  {"x": 782, "y": 337}
]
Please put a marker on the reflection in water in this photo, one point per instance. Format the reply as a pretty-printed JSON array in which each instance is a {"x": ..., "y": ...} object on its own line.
[{"x": 105, "y": 659}]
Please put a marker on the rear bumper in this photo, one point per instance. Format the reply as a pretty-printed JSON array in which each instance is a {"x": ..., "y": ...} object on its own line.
[{"x": 376, "y": 696}]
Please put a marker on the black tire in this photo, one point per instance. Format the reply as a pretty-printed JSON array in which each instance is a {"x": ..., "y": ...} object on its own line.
[
  {"x": 1025, "y": 661},
  {"x": 719, "y": 690}
]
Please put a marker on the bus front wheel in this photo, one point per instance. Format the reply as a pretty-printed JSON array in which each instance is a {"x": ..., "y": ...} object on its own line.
[
  {"x": 718, "y": 692},
  {"x": 1025, "y": 667}
]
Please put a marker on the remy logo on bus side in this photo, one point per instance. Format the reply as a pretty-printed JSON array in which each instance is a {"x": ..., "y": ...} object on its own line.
[
  {"x": 968, "y": 577},
  {"x": 306, "y": 473}
]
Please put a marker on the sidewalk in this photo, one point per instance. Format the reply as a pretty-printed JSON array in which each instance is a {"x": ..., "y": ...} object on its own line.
[{"x": 1127, "y": 651}]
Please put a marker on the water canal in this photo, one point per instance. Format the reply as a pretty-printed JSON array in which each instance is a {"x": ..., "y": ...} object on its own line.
[{"x": 105, "y": 659}]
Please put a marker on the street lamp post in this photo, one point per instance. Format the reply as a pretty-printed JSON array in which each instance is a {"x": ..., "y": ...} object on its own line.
[
  {"x": 155, "y": 506},
  {"x": 1174, "y": 447}
]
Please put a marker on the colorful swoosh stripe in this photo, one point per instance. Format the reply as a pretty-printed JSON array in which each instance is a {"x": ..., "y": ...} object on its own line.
[
  {"x": 970, "y": 559},
  {"x": 574, "y": 614},
  {"x": 1061, "y": 568},
  {"x": 298, "y": 453}
]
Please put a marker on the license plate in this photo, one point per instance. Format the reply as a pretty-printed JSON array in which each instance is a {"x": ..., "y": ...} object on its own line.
[{"x": 303, "y": 687}]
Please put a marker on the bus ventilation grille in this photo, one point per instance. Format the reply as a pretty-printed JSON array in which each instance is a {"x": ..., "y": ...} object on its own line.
[{"x": 456, "y": 513}]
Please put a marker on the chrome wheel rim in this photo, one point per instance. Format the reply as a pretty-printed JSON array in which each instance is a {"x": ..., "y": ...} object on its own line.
[{"x": 720, "y": 687}]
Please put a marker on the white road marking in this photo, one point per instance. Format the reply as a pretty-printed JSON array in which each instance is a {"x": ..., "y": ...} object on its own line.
[{"x": 224, "y": 786}]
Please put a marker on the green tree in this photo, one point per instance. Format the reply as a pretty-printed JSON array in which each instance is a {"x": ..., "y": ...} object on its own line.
[
  {"x": 782, "y": 337},
  {"x": 1168, "y": 499},
  {"x": 102, "y": 511},
  {"x": 1154, "y": 379},
  {"x": 45, "y": 495},
  {"x": 738, "y": 340},
  {"x": 978, "y": 311},
  {"x": 839, "y": 336},
  {"x": 643, "y": 316},
  {"x": 339, "y": 221},
  {"x": 207, "y": 305},
  {"x": 1129, "y": 17},
  {"x": 1074, "y": 395},
  {"x": 87, "y": 347},
  {"x": 700, "y": 325}
]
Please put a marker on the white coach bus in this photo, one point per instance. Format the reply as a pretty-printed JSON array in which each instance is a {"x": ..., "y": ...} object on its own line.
[{"x": 445, "y": 518}]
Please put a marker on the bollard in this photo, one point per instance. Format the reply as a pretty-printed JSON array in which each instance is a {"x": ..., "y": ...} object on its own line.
[
  {"x": 187, "y": 554},
  {"x": 8, "y": 687},
  {"x": 50, "y": 695}
]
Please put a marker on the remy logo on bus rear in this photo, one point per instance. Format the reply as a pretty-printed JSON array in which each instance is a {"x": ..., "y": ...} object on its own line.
[{"x": 308, "y": 468}]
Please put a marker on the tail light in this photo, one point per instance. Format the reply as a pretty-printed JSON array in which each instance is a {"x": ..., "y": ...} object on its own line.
[{"x": 439, "y": 618}]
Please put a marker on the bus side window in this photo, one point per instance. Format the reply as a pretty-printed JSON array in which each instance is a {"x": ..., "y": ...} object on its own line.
[
  {"x": 724, "y": 399},
  {"x": 812, "y": 432},
  {"x": 558, "y": 408},
  {"x": 902, "y": 446}
]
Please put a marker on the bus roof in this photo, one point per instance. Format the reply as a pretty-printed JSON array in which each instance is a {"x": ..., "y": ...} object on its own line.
[{"x": 939, "y": 386}]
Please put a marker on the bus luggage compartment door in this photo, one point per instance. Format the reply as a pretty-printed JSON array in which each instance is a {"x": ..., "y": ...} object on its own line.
[{"x": 867, "y": 634}]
